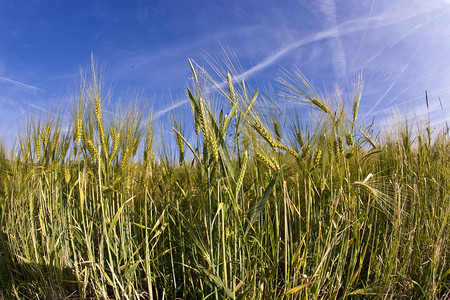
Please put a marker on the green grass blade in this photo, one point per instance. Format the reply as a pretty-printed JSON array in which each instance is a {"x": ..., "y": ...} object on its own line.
[{"x": 258, "y": 206}]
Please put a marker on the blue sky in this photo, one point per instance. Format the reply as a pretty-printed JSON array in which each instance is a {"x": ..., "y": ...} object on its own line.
[{"x": 402, "y": 47}]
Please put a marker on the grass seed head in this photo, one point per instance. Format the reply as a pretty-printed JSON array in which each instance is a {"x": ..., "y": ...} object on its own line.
[
  {"x": 231, "y": 92},
  {"x": 46, "y": 135},
  {"x": 65, "y": 149},
  {"x": 289, "y": 150},
  {"x": 320, "y": 105},
  {"x": 201, "y": 117},
  {"x": 24, "y": 154},
  {"x": 242, "y": 171},
  {"x": 78, "y": 130},
  {"x": 66, "y": 175},
  {"x": 269, "y": 162},
  {"x": 305, "y": 152},
  {"x": 37, "y": 148},
  {"x": 340, "y": 144},
  {"x": 365, "y": 187},
  {"x": 180, "y": 146},
  {"x": 349, "y": 139},
  {"x": 264, "y": 134},
  {"x": 92, "y": 150},
  {"x": 214, "y": 146},
  {"x": 276, "y": 128},
  {"x": 317, "y": 157}
]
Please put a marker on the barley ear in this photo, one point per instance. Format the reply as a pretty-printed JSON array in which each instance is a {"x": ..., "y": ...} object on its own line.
[
  {"x": 24, "y": 154},
  {"x": 317, "y": 157},
  {"x": 269, "y": 162},
  {"x": 214, "y": 147},
  {"x": 264, "y": 134},
  {"x": 305, "y": 152},
  {"x": 289, "y": 150},
  {"x": 276, "y": 128},
  {"x": 180, "y": 146},
  {"x": 299, "y": 138},
  {"x": 365, "y": 187},
  {"x": 46, "y": 135},
  {"x": 201, "y": 117},
  {"x": 37, "y": 147},
  {"x": 231, "y": 89},
  {"x": 193, "y": 70},
  {"x": 66, "y": 174},
  {"x": 320, "y": 105},
  {"x": 98, "y": 115},
  {"x": 349, "y": 139},
  {"x": 242, "y": 172},
  {"x": 340, "y": 144},
  {"x": 357, "y": 97}
]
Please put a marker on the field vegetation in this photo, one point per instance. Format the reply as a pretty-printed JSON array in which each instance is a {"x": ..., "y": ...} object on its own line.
[{"x": 241, "y": 203}]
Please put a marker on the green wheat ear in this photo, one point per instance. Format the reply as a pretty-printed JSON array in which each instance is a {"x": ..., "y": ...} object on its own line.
[
  {"x": 289, "y": 150},
  {"x": 242, "y": 172},
  {"x": 349, "y": 139},
  {"x": 231, "y": 92},
  {"x": 276, "y": 128},
  {"x": 193, "y": 70},
  {"x": 320, "y": 105},
  {"x": 264, "y": 134},
  {"x": 271, "y": 163},
  {"x": 180, "y": 146},
  {"x": 365, "y": 187},
  {"x": 214, "y": 147}
]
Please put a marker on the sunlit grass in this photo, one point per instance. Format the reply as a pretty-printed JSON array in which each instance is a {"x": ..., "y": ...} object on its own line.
[{"x": 250, "y": 207}]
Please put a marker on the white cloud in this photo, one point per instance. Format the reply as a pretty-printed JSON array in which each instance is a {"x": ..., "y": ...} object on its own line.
[
  {"x": 399, "y": 75},
  {"x": 20, "y": 84},
  {"x": 163, "y": 111},
  {"x": 329, "y": 9},
  {"x": 355, "y": 25}
]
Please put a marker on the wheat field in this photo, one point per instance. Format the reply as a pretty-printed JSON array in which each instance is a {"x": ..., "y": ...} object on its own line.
[{"x": 237, "y": 203}]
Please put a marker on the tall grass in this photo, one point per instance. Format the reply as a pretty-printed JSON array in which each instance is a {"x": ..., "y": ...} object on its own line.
[{"x": 249, "y": 208}]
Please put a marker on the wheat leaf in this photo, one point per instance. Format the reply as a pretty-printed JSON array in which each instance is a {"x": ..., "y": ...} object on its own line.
[
  {"x": 258, "y": 206},
  {"x": 117, "y": 215}
]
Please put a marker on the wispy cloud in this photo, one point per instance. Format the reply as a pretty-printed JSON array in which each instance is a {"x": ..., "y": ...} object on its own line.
[
  {"x": 164, "y": 111},
  {"x": 359, "y": 24},
  {"x": 20, "y": 84},
  {"x": 97, "y": 36},
  {"x": 38, "y": 107},
  {"x": 434, "y": 113},
  {"x": 328, "y": 8},
  {"x": 400, "y": 74},
  {"x": 363, "y": 36}
]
